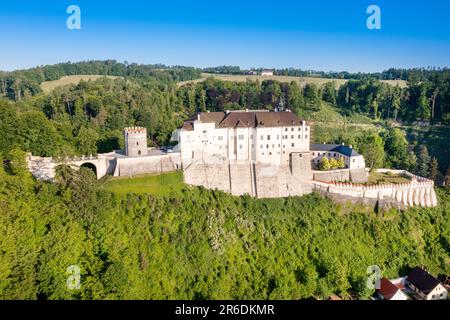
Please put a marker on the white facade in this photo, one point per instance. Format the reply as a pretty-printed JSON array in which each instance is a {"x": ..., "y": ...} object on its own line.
[
  {"x": 211, "y": 143},
  {"x": 352, "y": 160}
]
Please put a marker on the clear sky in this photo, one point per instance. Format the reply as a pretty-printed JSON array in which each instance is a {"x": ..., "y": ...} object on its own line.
[{"x": 321, "y": 35}]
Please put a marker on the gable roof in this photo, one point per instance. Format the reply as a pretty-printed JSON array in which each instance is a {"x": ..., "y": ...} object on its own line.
[
  {"x": 422, "y": 280},
  {"x": 244, "y": 119},
  {"x": 345, "y": 150},
  {"x": 387, "y": 289}
]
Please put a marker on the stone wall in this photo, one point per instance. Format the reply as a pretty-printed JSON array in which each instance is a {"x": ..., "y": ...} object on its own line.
[
  {"x": 342, "y": 175},
  {"x": 130, "y": 166},
  {"x": 239, "y": 178},
  {"x": 41, "y": 168},
  {"x": 415, "y": 193}
]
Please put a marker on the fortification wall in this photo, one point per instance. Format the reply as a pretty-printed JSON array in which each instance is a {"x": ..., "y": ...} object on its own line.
[
  {"x": 415, "y": 193},
  {"x": 41, "y": 168},
  {"x": 129, "y": 166},
  {"x": 353, "y": 175},
  {"x": 239, "y": 178}
]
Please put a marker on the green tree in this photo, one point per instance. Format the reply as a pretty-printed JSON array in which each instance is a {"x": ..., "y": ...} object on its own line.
[
  {"x": 341, "y": 163},
  {"x": 372, "y": 148},
  {"x": 324, "y": 164},
  {"x": 86, "y": 141},
  {"x": 423, "y": 167},
  {"x": 334, "y": 163},
  {"x": 396, "y": 148},
  {"x": 434, "y": 169}
]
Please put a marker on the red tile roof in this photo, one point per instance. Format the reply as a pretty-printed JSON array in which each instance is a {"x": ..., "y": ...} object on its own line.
[
  {"x": 244, "y": 119},
  {"x": 387, "y": 289}
]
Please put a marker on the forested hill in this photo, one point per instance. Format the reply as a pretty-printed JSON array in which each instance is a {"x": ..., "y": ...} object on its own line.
[
  {"x": 403, "y": 128},
  {"x": 24, "y": 83}
]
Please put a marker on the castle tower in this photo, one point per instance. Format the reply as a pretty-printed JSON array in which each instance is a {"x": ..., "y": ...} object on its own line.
[{"x": 135, "y": 141}]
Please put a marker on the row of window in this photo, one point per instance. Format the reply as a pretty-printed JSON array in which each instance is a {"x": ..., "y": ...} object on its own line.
[{"x": 292, "y": 129}]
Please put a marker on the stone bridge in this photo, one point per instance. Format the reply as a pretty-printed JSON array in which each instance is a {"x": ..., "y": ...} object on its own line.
[{"x": 43, "y": 168}]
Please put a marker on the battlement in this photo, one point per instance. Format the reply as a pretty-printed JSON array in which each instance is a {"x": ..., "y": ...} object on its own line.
[{"x": 135, "y": 130}]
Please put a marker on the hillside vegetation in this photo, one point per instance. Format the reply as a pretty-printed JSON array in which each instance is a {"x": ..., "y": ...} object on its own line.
[
  {"x": 302, "y": 81},
  {"x": 48, "y": 86},
  {"x": 200, "y": 244}
]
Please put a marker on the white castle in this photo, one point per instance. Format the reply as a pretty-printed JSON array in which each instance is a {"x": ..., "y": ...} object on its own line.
[
  {"x": 261, "y": 153},
  {"x": 257, "y": 137}
]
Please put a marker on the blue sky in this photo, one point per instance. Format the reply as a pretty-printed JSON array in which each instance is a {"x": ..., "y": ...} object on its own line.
[{"x": 320, "y": 35}]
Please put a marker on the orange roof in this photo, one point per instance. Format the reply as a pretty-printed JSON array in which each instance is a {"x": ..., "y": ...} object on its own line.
[{"x": 387, "y": 288}]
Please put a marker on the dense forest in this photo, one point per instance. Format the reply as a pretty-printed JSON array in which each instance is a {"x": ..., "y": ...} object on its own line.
[
  {"x": 415, "y": 74},
  {"x": 195, "y": 243},
  {"x": 200, "y": 244}
]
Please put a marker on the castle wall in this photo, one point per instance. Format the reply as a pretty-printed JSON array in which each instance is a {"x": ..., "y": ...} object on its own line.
[
  {"x": 415, "y": 193},
  {"x": 239, "y": 178},
  {"x": 129, "y": 166},
  {"x": 333, "y": 175}
]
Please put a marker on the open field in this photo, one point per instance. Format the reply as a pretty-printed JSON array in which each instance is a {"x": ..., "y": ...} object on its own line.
[
  {"x": 383, "y": 178},
  {"x": 153, "y": 184},
  {"x": 300, "y": 80},
  {"x": 48, "y": 86}
]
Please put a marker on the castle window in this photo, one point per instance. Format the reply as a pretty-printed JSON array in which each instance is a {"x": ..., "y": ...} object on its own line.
[
  {"x": 268, "y": 137},
  {"x": 306, "y": 136},
  {"x": 220, "y": 138},
  {"x": 284, "y": 152},
  {"x": 292, "y": 129},
  {"x": 299, "y": 137},
  {"x": 334, "y": 154},
  {"x": 278, "y": 137},
  {"x": 251, "y": 136},
  {"x": 240, "y": 146},
  {"x": 262, "y": 147},
  {"x": 306, "y": 128},
  {"x": 353, "y": 160},
  {"x": 292, "y": 137},
  {"x": 262, "y": 137},
  {"x": 285, "y": 129},
  {"x": 139, "y": 152},
  {"x": 204, "y": 131},
  {"x": 273, "y": 146},
  {"x": 292, "y": 145},
  {"x": 267, "y": 146},
  {"x": 279, "y": 145},
  {"x": 241, "y": 137},
  {"x": 270, "y": 153},
  {"x": 299, "y": 128},
  {"x": 262, "y": 153},
  {"x": 300, "y": 156},
  {"x": 313, "y": 154}
]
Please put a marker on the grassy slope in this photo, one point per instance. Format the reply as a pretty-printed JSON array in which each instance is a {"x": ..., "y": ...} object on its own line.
[
  {"x": 48, "y": 86},
  {"x": 301, "y": 80},
  {"x": 152, "y": 184}
]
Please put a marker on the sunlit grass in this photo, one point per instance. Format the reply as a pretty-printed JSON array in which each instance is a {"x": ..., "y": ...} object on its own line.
[{"x": 151, "y": 184}]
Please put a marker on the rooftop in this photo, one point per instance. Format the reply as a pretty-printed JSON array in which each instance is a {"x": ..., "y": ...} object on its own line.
[
  {"x": 342, "y": 149},
  {"x": 421, "y": 279},
  {"x": 245, "y": 119},
  {"x": 387, "y": 288}
]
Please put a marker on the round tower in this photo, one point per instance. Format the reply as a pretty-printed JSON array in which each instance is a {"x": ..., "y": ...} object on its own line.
[{"x": 135, "y": 141}]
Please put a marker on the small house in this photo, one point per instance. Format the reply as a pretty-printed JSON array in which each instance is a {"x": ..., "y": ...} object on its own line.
[
  {"x": 425, "y": 286},
  {"x": 389, "y": 291}
]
